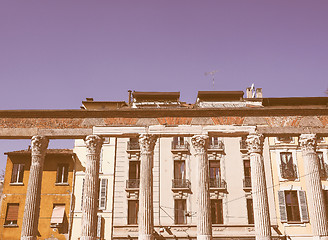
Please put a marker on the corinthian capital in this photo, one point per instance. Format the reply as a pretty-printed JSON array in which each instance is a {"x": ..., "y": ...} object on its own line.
[
  {"x": 308, "y": 142},
  {"x": 39, "y": 145},
  {"x": 147, "y": 142},
  {"x": 199, "y": 142},
  {"x": 255, "y": 143},
  {"x": 93, "y": 144}
]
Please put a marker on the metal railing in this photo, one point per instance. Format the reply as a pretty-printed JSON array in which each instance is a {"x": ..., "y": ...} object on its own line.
[
  {"x": 132, "y": 183},
  {"x": 247, "y": 182},
  {"x": 216, "y": 146},
  {"x": 133, "y": 146},
  {"x": 243, "y": 145},
  {"x": 180, "y": 146},
  {"x": 217, "y": 183},
  {"x": 180, "y": 183}
]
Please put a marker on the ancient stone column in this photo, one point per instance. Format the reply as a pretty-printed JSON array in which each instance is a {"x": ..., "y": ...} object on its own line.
[
  {"x": 314, "y": 193},
  {"x": 90, "y": 192},
  {"x": 204, "y": 221},
  {"x": 39, "y": 146},
  {"x": 259, "y": 188},
  {"x": 146, "y": 218}
]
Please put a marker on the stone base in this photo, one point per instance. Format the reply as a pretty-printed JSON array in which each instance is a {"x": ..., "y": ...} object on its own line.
[
  {"x": 145, "y": 237},
  {"x": 204, "y": 237},
  {"x": 263, "y": 238},
  {"x": 28, "y": 238},
  {"x": 88, "y": 238}
]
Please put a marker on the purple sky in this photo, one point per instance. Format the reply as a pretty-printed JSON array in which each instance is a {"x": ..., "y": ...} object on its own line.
[{"x": 54, "y": 54}]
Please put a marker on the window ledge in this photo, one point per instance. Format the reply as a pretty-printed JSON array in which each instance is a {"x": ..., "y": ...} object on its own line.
[
  {"x": 61, "y": 184},
  {"x": 16, "y": 184},
  {"x": 294, "y": 224},
  {"x": 55, "y": 225},
  {"x": 10, "y": 225}
]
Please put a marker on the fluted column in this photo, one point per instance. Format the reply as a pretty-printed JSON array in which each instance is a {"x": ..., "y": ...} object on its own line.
[
  {"x": 39, "y": 146},
  {"x": 91, "y": 183},
  {"x": 314, "y": 194},
  {"x": 259, "y": 188},
  {"x": 146, "y": 217},
  {"x": 204, "y": 221}
]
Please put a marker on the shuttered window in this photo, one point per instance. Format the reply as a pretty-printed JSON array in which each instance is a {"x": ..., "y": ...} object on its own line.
[
  {"x": 99, "y": 226},
  {"x": 58, "y": 213},
  {"x": 216, "y": 211},
  {"x": 293, "y": 206},
  {"x": 17, "y": 173},
  {"x": 133, "y": 209},
  {"x": 12, "y": 214},
  {"x": 103, "y": 193},
  {"x": 179, "y": 211},
  {"x": 250, "y": 212}
]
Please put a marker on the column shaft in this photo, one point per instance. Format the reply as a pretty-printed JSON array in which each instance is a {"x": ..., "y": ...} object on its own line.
[
  {"x": 259, "y": 188},
  {"x": 204, "y": 221},
  {"x": 314, "y": 194},
  {"x": 91, "y": 191},
  {"x": 39, "y": 145},
  {"x": 146, "y": 217}
]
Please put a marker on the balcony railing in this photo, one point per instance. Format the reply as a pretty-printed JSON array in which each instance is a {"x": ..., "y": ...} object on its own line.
[
  {"x": 247, "y": 183},
  {"x": 289, "y": 172},
  {"x": 133, "y": 146},
  {"x": 132, "y": 183},
  {"x": 176, "y": 146},
  {"x": 181, "y": 183},
  {"x": 217, "y": 183},
  {"x": 216, "y": 146}
]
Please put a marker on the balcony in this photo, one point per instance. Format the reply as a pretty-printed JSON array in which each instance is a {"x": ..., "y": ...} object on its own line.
[
  {"x": 216, "y": 146},
  {"x": 180, "y": 146},
  {"x": 218, "y": 183},
  {"x": 133, "y": 146},
  {"x": 180, "y": 184},
  {"x": 132, "y": 184},
  {"x": 247, "y": 183},
  {"x": 288, "y": 172}
]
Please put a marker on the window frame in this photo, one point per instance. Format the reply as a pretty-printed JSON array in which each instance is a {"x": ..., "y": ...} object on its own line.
[
  {"x": 11, "y": 223},
  {"x": 217, "y": 211},
  {"x": 17, "y": 174},
  {"x": 62, "y": 174},
  {"x": 133, "y": 220},
  {"x": 177, "y": 213}
]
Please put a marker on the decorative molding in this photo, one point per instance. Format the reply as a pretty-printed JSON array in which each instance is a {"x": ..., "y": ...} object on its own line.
[
  {"x": 308, "y": 142},
  {"x": 200, "y": 143},
  {"x": 147, "y": 143},
  {"x": 255, "y": 143}
]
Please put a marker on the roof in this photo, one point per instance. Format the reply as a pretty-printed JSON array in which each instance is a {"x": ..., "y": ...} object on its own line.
[
  {"x": 220, "y": 95},
  {"x": 156, "y": 96},
  {"x": 48, "y": 152},
  {"x": 103, "y": 105},
  {"x": 295, "y": 101}
]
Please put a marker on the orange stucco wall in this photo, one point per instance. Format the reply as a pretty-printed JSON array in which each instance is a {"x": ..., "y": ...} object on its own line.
[{"x": 50, "y": 194}]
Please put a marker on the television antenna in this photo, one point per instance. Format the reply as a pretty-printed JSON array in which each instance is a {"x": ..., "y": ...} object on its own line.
[{"x": 212, "y": 73}]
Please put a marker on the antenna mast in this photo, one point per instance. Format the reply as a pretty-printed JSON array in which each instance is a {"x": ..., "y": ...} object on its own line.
[{"x": 212, "y": 73}]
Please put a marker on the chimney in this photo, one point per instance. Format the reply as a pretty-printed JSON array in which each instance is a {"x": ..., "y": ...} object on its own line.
[
  {"x": 248, "y": 92},
  {"x": 130, "y": 93},
  {"x": 89, "y": 99},
  {"x": 259, "y": 93}
]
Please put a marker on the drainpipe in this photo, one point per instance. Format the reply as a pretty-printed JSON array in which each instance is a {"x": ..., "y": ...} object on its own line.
[{"x": 71, "y": 211}]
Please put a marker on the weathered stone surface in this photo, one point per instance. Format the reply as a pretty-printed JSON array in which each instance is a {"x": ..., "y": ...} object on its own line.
[
  {"x": 93, "y": 122},
  {"x": 41, "y": 122},
  {"x": 120, "y": 121},
  {"x": 285, "y": 121},
  {"x": 228, "y": 120},
  {"x": 308, "y": 121},
  {"x": 175, "y": 120},
  {"x": 202, "y": 121},
  {"x": 147, "y": 122},
  {"x": 255, "y": 121}
]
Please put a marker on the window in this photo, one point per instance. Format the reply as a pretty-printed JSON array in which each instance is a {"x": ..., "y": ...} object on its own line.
[
  {"x": 287, "y": 166},
  {"x": 322, "y": 165},
  {"x": 215, "y": 172},
  {"x": 293, "y": 206},
  {"x": 103, "y": 193},
  {"x": 62, "y": 173},
  {"x": 284, "y": 139},
  {"x": 57, "y": 217},
  {"x": 250, "y": 213},
  {"x": 99, "y": 227},
  {"x": 133, "y": 209},
  {"x": 12, "y": 214},
  {"x": 216, "y": 211},
  {"x": 134, "y": 174},
  {"x": 180, "y": 211},
  {"x": 133, "y": 144},
  {"x": 17, "y": 173},
  {"x": 179, "y": 170},
  {"x": 325, "y": 198}
]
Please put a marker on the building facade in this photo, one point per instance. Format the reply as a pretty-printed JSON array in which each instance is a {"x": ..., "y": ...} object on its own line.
[
  {"x": 56, "y": 194},
  {"x": 225, "y": 167}
]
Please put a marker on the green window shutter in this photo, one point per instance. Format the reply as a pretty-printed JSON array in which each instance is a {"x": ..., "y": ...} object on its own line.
[
  {"x": 303, "y": 206},
  {"x": 282, "y": 206}
]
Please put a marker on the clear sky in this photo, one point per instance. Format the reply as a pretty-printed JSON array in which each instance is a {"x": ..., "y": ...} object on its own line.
[{"x": 54, "y": 54}]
